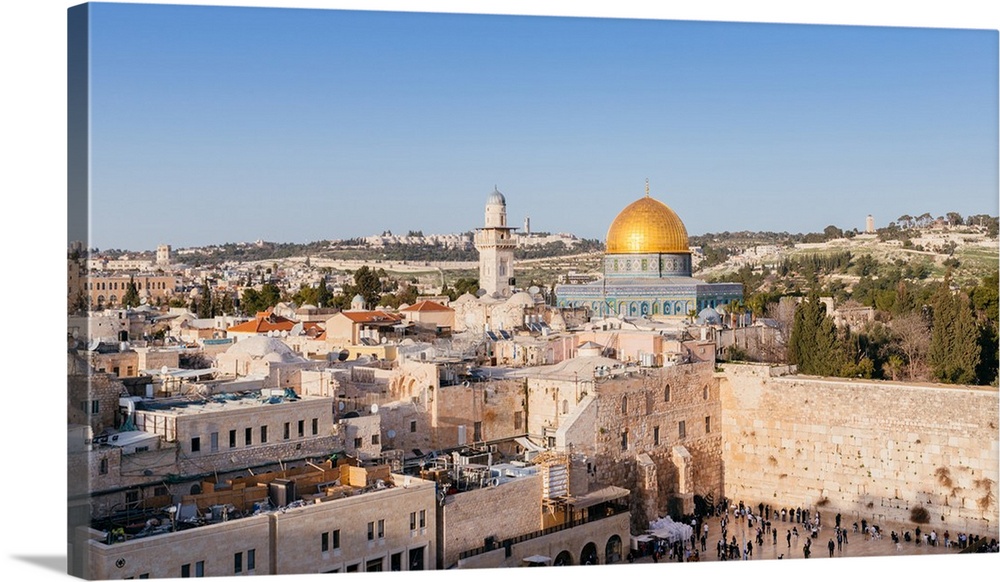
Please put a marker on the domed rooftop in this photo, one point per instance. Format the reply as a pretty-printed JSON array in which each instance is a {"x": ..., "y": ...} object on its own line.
[
  {"x": 521, "y": 298},
  {"x": 496, "y": 197},
  {"x": 647, "y": 226}
]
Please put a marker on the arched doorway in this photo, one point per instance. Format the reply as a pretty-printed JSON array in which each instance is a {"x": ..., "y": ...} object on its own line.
[
  {"x": 613, "y": 550},
  {"x": 588, "y": 556},
  {"x": 563, "y": 559}
]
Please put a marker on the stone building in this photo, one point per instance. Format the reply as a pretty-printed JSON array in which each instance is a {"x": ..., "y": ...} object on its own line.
[
  {"x": 318, "y": 519},
  {"x": 612, "y": 414}
]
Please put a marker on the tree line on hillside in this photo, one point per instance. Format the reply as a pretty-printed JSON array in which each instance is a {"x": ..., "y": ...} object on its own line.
[{"x": 932, "y": 332}]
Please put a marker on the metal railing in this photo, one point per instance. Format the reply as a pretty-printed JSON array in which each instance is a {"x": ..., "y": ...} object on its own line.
[{"x": 510, "y": 542}]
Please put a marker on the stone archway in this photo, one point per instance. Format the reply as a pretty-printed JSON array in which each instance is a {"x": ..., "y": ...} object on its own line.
[
  {"x": 613, "y": 550},
  {"x": 564, "y": 558},
  {"x": 588, "y": 556}
]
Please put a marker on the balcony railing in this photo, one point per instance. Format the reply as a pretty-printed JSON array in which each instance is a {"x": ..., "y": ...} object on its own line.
[{"x": 611, "y": 510}]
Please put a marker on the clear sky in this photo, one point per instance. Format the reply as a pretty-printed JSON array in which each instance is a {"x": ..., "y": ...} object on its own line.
[{"x": 224, "y": 124}]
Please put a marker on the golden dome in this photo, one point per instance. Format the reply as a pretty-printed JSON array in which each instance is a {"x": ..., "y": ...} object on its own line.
[{"x": 647, "y": 226}]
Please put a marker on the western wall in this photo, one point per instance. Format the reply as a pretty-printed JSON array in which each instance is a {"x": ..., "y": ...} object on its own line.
[{"x": 866, "y": 449}]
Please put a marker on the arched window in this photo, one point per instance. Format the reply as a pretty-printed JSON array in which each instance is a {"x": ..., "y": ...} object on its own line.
[
  {"x": 565, "y": 407},
  {"x": 666, "y": 393},
  {"x": 624, "y": 404}
]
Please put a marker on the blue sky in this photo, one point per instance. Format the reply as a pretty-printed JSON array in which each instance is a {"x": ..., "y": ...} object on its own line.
[{"x": 223, "y": 124}]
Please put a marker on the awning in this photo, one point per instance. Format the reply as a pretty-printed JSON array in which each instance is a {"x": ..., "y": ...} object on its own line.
[
  {"x": 524, "y": 442},
  {"x": 599, "y": 496},
  {"x": 537, "y": 559}
]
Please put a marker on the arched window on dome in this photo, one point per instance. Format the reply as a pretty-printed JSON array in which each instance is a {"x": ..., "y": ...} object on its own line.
[
  {"x": 666, "y": 308},
  {"x": 644, "y": 309}
]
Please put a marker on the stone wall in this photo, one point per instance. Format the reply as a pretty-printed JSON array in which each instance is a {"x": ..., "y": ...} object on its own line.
[
  {"x": 510, "y": 509},
  {"x": 648, "y": 422},
  {"x": 866, "y": 449}
]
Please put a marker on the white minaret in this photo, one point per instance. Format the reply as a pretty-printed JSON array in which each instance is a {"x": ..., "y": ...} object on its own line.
[{"x": 495, "y": 244}]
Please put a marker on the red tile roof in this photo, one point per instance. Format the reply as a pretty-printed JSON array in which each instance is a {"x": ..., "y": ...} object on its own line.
[{"x": 263, "y": 323}]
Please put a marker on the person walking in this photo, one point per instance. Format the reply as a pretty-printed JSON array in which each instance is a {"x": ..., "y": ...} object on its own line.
[
  {"x": 788, "y": 537},
  {"x": 831, "y": 546}
]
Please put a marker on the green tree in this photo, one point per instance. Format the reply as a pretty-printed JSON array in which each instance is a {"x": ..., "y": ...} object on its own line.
[
  {"x": 368, "y": 285},
  {"x": 954, "y": 350},
  {"x": 813, "y": 346},
  {"x": 205, "y": 304},
  {"x": 131, "y": 296}
]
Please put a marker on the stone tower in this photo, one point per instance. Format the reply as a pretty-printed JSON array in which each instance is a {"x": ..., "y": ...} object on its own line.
[
  {"x": 163, "y": 255},
  {"x": 495, "y": 244}
]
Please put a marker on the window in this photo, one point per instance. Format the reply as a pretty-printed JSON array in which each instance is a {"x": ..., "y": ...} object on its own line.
[
  {"x": 324, "y": 542},
  {"x": 656, "y": 435},
  {"x": 518, "y": 420},
  {"x": 160, "y": 491},
  {"x": 302, "y": 428},
  {"x": 336, "y": 539},
  {"x": 104, "y": 466},
  {"x": 195, "y": 444},
  {"x": 708, "y": 424},
  {"x": 423, "y": 518},
  {"x": 185, "y": 570},
  {"x": 237, "y": 562},
  {"x": 357, "y": 443},
  {"x": 413, "y": 426},
  {"x": 251, "y": 560},
  {"x": 248, "y": 436},
  {"x": 704, "y": 392},
  {"x": 413, "y": 520},
  {"x": 666, "y": 393},
  {"x": 371, "y": 530},
  {"x": 288, "y": 431},
  {"x": 214, "y": 441},
  {"x": 263, "y": 434},
  {"x": 624, "y": 404},
  {"x": 381, "y": 529},
  {"x": 396, "y": 562},
  {"x": 315, "y": 426},
  {"x": 374, "y": 565},
  {"x": 625, "y": 440},
  {"x": 374, "y": 439},
  {"x": 232, "y": 439},
  {"x": 144, "y": 576},
  {"x": 351, "y": 568},
  {"x": 477, "y": 431},
  {"x": 681, "y": 429},
  {"x": 132, "y": 497},
  {"x": 565, "y": 407},
  {"x": 199, "y": 569}
]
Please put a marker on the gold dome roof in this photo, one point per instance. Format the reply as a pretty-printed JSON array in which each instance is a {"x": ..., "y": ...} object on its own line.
[{"x": 647, "y": 226}]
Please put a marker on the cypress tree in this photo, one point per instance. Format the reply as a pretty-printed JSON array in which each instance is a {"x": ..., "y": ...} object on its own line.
[
  {"x": 813, "y": 346},
  {"x": 955, "y": 349}
]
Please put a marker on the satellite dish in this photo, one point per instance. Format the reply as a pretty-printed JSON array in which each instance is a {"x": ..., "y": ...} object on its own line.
[
  {"x": 164, "y": 370},
  {"x": 143, "y": 301},
  {"x": 382, "y": 340},
  {"x": 343, "y": 355},
  {"x": 534, "y": 290},
  {"x": 391, "y": 434},
  {"x": 374, "y": 408},
  {"x": 480, "y": 292},
  {"x": 340, "y": 406}
]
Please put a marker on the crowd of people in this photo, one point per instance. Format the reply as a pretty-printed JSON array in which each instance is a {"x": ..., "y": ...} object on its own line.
[{"x": 762, "y": 527}]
